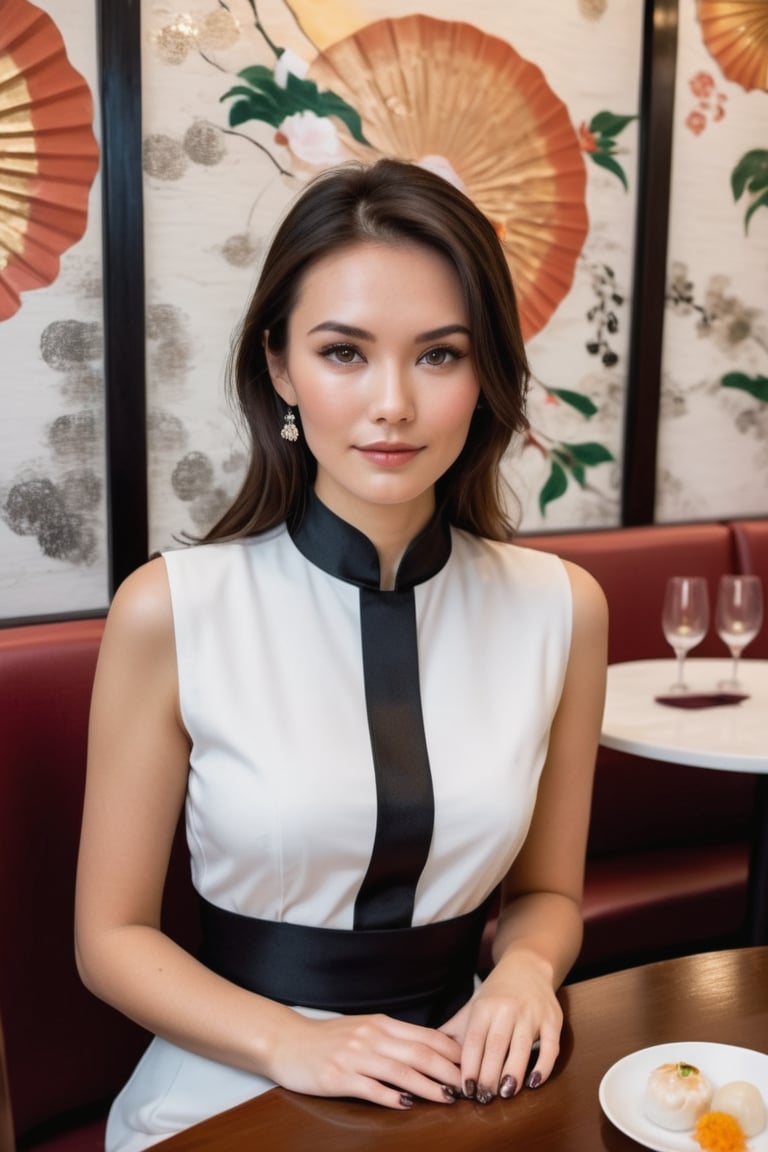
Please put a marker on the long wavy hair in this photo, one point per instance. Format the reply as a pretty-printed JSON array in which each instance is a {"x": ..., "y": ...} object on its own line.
[{"x": 390, "y": 202}]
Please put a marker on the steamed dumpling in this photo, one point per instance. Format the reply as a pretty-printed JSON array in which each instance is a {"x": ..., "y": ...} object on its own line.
[
  {"x": 676, "y": 1095},
  {"x": 741, "y": 1100}
]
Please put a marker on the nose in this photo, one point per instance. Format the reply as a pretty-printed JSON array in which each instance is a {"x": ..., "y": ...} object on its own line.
[{"x": 392, "y": 400}]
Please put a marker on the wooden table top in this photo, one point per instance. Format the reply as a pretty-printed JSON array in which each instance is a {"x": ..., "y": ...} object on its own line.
[{"x": 718, "y": 996}]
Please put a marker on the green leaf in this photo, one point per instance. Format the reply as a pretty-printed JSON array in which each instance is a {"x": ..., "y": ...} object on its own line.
[
  {"x": 256, "y": 108},
  {"x": 258, "y": 76},
  {"x": 239, "y": 90},
  {"x": 760, "y": 202},
  {"x": 609, "y": 124},
  {"x": 333, "y": 105},
  {"x": 240, "y": 112},
  {"x": 589, "y": 452},
  {"x": 756, "y": 386},
  {"x": 752, "y": 171},
  {"x": 304, "y": 95},
  {"x": 554, "y": 488},
  {"x": 579, "y": 475},
  {"x": 576, "y": 400},
  {"x": 605, "y": 161},
  {"x": 268, "y": 101}
]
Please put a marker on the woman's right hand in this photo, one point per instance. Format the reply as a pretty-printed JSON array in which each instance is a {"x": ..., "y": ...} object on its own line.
[{"x": 374, "y": 1058}]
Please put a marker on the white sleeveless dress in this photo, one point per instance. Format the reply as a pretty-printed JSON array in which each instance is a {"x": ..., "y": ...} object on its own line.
[{"x": 282, "y": 800}]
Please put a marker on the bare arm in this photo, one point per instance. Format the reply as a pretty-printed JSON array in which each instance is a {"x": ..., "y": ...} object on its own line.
[
  {"x": 136, "y": 782},
  {"x": 540, "y": 926}
]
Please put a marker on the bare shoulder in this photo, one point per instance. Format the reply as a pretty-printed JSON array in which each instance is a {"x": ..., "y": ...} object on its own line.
[
  {"x": 140, "y": 616},
  {"x": 137, "y": 668},
  {"x": 590, "y": 607}
]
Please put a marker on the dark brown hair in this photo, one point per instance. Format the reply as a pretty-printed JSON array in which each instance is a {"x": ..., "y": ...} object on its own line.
[{"x": 389, "y": 202}]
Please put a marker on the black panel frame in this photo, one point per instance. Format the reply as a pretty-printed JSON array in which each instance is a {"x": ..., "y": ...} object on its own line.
[
  {"x": 124, "y": 299},
  {"x": 647, "y": 329}
]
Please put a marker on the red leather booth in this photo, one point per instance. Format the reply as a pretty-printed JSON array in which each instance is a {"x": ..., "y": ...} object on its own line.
[
  {"x": 665, "y": 873},
  {"x": 66, "y": 1051}
]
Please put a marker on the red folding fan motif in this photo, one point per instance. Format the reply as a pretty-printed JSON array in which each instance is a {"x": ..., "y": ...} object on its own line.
[{"x": 48, "y": 152}]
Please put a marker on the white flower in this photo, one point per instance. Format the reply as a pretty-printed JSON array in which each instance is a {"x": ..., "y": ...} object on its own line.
[
  {"x": 311, "y": 138},
  {"x": 289, "y": 62}
]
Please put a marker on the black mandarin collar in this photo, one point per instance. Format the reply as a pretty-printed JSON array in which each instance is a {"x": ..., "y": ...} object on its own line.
[{"x": 341, "y": 550}]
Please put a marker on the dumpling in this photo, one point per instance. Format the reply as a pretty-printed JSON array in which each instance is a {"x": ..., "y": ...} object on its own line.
[
  {"x": 742, "y": 1100},
  {"x": 676, "y": 1095}
]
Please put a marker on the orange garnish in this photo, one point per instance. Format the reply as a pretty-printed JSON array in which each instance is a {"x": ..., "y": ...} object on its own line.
[{"x": 719, "y": 1132}]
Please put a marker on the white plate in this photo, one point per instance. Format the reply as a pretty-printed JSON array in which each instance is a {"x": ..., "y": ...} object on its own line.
[{"x": 622, "y": 1087}]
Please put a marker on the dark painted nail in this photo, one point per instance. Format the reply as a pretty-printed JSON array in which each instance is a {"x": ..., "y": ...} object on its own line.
[
  {"x": 483, "y": 1095},
  {"x": 534, "y": 1079},
  {"x": 469, "y": 1089},
  {"x": 508, "y": 1087},
  {"x": 406, "y": 1100},
  {"x": 449, "y": 1092}
]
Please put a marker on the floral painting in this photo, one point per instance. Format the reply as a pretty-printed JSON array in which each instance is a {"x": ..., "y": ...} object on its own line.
[
  {"x": 713, "y": 435},
  {"x": 244, "y": 101}
]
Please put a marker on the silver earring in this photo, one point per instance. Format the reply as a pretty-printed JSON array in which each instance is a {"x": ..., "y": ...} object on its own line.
[{"x": 289, "y": 431}]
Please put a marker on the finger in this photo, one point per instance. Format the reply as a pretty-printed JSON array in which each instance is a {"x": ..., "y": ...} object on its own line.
[
  {"x": 485, "y": 1047},
  {"x": 518, "y": 1068},
  {"x": 548, "y": 1051},
  {"x": 436, "y": 1083},
  {"x": 418, "y": 1060},
  {"x": 385, "y": 1095},
  {"x": 505, "y": 1056},
  {"x": 389, "y": 1073}
]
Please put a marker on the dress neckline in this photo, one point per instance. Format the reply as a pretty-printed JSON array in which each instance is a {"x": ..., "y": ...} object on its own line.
[{"x": 343, "y": 551}]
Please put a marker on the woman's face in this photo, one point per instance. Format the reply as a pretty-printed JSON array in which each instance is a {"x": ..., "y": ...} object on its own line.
[{"x": 379, "y": 362}]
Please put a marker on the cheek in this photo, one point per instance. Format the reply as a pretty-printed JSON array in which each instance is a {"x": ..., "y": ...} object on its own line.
[
  {"x": 324, "y": 409},
  {"x": 456, "y": 410},
  {"x": 321, "y": 401}
]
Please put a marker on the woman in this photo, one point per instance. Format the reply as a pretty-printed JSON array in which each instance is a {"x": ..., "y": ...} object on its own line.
[{"x": 375, "y": 708}]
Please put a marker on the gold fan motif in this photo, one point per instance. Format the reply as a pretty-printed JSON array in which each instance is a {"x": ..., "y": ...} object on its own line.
[
  {"x": 449, "y": 95},
  {"x": 48, "y": 153},
  {"x": 736, "y": 35}
]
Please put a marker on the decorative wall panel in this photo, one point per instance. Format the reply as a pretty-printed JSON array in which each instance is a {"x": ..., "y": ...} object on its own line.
[
  {"x": 53, "y": 540},
  {"x": 535, "y": 117},
  {"x": 713, "y": 433}
]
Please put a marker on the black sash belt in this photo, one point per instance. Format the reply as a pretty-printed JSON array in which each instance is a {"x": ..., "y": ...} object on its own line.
[{"x": 422, "y": 975}]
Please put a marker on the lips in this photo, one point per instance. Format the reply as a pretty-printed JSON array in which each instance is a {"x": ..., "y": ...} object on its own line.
[{"x": 389, "y": 454}]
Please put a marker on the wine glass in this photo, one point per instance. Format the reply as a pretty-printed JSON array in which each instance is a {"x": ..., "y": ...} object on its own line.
[
  {"x": 684, "y": 619},
  {"x": 738, "y": 617}
]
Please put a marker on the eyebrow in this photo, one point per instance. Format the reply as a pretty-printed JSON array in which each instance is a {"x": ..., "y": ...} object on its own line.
[{"x": 361, "y": 333}]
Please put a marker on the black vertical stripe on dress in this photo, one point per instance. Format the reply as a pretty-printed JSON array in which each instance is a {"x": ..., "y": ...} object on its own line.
[{"x": 405, "y": 799}]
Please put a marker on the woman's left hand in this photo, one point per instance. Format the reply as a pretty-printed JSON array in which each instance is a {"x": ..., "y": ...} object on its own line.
[{"x": 514, "y": 1007}]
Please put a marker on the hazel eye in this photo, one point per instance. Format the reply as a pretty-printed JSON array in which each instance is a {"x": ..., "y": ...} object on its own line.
[
  {"x": 341, "y": 353},
  {"x": 444, "y": 354}
]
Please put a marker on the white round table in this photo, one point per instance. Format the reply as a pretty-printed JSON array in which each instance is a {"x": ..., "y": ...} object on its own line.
[
  {"x": 733, "y": 737},
  {"x": 730, "y": 738}
]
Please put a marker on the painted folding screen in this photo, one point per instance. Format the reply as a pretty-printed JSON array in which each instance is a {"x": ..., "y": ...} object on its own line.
[
  {"x": 53, "y": 538},
  {"x": 531, "y": 107},
  {"x": 713, "y": 431}
]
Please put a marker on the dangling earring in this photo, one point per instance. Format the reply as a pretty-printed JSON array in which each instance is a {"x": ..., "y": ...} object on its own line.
[{"x": 289, "y": 431}]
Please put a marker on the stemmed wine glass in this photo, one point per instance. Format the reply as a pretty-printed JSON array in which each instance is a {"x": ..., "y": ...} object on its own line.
[
  {"x": 684, "y": 619},
  {"x": 738, "y": 617}
]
